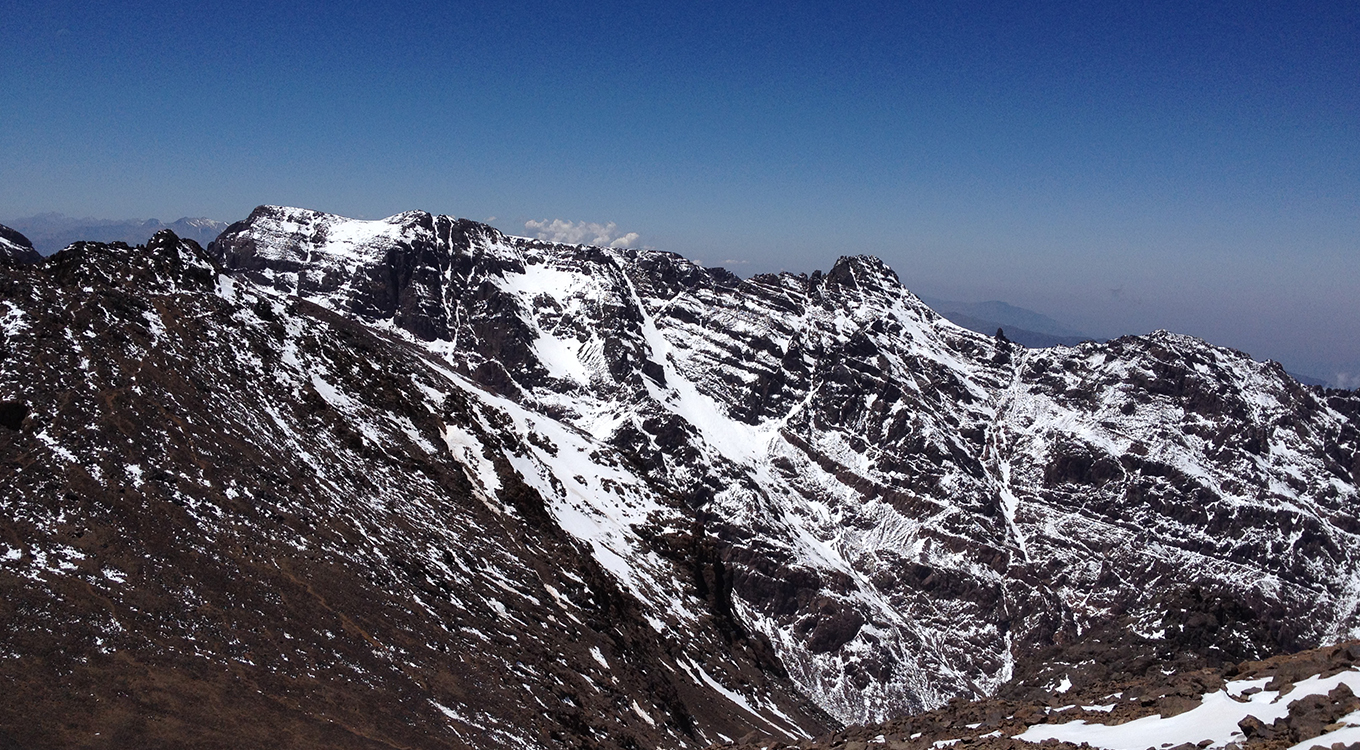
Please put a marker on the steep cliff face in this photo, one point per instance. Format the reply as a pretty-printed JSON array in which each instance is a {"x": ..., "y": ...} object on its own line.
[{"x": 750, "y": 501}]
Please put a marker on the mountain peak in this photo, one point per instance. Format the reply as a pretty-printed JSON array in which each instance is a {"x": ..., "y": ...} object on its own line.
[{"x": 851, "y": 270}]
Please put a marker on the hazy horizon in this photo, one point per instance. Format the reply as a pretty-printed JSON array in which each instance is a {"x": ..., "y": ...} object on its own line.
[{"x": 1120, "y": 169}]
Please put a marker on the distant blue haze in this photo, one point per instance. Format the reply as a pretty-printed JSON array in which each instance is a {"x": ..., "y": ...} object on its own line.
[{"x": 1118, "y": 166}]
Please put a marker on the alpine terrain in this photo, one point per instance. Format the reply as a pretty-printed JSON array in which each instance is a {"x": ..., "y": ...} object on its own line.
[{"x": 417, "y": 483}]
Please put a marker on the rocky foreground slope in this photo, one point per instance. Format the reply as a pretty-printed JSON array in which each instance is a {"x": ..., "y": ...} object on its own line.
[
  {"x": 1296, "y": 702},
  {"x": 416, "y": 483}
]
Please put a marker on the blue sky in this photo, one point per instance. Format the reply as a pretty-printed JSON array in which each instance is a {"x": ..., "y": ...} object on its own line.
[{"x": 1119, "y": 166}]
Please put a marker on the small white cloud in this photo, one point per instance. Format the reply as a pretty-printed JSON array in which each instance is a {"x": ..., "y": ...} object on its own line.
[
  {"x": 731, "y": 262},
  {"x": 581, "y": 233},
  {"x": 626, "y": 240},
  {"x": 1346, "y": 380}
]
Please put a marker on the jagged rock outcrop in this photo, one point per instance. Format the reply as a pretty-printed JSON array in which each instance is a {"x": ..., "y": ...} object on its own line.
[
  {"x": 805, "y": 486},
  {"x": 16, "y": 248}
]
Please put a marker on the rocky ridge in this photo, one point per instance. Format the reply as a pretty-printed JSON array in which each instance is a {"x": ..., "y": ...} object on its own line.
[
  {"x": 828, "y": 503},
  {"x": 16, "y": 248}
]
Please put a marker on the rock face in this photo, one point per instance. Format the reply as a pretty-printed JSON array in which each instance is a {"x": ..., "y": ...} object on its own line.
[
  {"x": 16, "y": 248},
  {"x": 578, "y": 495}
]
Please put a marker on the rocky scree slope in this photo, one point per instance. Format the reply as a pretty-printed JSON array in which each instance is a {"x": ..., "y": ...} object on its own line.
[{"x": 825, "y": 502}]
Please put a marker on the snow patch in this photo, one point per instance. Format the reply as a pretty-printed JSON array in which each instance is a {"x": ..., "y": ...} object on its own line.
[{"x": 1215, "y": 719}]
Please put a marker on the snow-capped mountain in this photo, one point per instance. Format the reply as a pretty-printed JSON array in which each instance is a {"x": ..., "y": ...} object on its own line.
[{"x": 618, "y": 495}]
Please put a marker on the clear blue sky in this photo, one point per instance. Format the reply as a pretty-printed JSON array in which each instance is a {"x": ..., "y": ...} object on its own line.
[{"x": 1119, "y": 166}]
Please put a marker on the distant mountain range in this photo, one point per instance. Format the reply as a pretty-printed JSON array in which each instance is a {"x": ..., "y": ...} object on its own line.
[
  {"x": 1025, "y": 327},
  {"x": 50, "y": 232}
]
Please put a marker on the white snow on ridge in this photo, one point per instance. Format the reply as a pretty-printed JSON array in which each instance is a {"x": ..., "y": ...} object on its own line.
[
  {"x": 562, "y": 356},
  {"x": 736, "y": 441},
  {"x": 348, "y": 238},
  {"x": 572, "y": 485}
]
